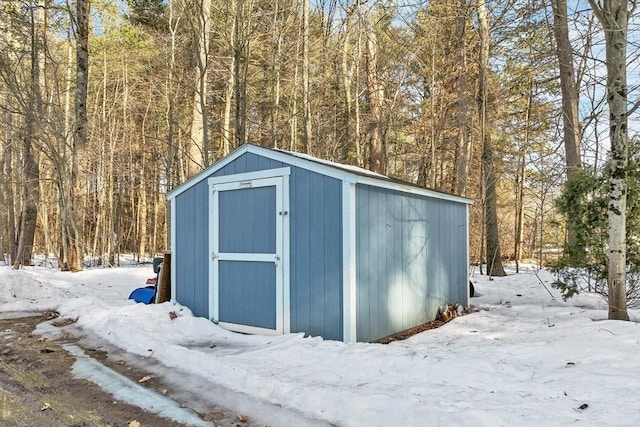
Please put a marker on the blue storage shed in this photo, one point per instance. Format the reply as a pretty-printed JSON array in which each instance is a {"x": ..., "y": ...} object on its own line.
[{"x": 269, "y": 241}]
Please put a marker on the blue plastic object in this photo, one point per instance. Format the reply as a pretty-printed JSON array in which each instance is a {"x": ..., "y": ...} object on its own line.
[{"x": 143, "y": 295}]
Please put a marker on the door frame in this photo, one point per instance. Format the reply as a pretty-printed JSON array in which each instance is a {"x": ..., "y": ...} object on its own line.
[{"x": 270, "y": 177}]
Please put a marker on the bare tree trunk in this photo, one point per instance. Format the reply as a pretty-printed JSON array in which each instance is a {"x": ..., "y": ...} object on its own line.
[
  {"x": 519, "y": 229},
  {"x": 30, "y": 196},
  {"x": 375, "y": 98},
  {"x": 65, "y": 171},
  {"x": 110, "y": 229},
  {"x": 347, "y": 72},
  {"x": 142, "y": 197},
  {"x": 229, "y": 89},
  {"x": 570, "y": 118},
  {"x": 198, "y": 146},
  {"x": 241, "y": 54},
  {"x": 276, "y": 84},
  {"x": 71, "y": 233},
  {"x": 142, "y": 213},
  {"x": 3, "y": 190},
  {"x": 174, "y": 22},
  {"x": 293, "y": 120},
  {"x": 430, "y": 164},
  {"x": 8, "y": 187},
  {"x": 521, "y": 179},
  {"x": 11, "y": 209},
  {"x": 31, "y": 169},
  {"x": 170, "y": 95},
  {"x": 462, "y": 159},
  {"x": 614, "y": 18},
  {"x": 306, "y": 117},
  {"x": 357, "y": 132},
  {"x": 13, "y": 233},
  {"x": 156, "y": 201},
  {"x": 494, "y": 261}
]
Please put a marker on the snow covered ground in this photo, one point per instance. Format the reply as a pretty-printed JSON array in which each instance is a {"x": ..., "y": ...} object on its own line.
[{"x": 524, "y": 358}]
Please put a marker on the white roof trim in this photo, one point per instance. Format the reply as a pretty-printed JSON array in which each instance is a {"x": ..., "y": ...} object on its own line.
[
  {"x": 205, "y": 173},
  {"x": 335, "y": 170}
]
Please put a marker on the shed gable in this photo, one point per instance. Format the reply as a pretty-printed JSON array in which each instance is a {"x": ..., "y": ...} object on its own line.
[{"x": 315, "y": 245}]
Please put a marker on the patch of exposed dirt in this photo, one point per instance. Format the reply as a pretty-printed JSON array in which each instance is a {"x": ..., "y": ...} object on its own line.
[
  {"x": 444, "y": 316},
  {"x": 410, "y": 332},
  {"x": 37, "y": 387}
]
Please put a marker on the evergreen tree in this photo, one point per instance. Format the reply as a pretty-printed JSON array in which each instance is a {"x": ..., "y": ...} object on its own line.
[
  {"x": 148, "y": 13},
  {"x": 585, "y": 199}
]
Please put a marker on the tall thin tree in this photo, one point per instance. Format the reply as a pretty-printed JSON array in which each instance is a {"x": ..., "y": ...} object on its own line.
[
  {"x": 570, "y": 118},
  {"x": 198, "y": 146},
  {"x": 462, "y": 158},
  {"x": 614, "y": 18},
  {"x": 494, "y": 261},
  {"x": 306, "y": 117},
  {"x": 242, "y": 27},
  {"x": 375, "y": 99},
  {"x": 31, "y": 170},
  {"x": 71, "y": 232}
]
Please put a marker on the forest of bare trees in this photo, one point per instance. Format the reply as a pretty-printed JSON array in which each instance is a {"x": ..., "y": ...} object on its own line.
[{"x": 106, "y": 105}]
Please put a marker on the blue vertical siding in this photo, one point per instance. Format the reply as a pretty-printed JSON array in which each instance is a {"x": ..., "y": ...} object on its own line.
[
  {"x": 315, "y": 246},
  {"x": 411, "y": 258},
  {"x": 316, "y": 254},
  {"x": 191, "y": 253},
  {"x": 248, "y": 162}
]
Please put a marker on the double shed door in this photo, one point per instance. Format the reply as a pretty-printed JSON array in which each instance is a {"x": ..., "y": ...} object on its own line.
[{"x": 247, "y": 289}]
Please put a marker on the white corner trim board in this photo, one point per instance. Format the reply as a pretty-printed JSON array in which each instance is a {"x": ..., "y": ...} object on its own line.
[{"x": 349, "y": 262}]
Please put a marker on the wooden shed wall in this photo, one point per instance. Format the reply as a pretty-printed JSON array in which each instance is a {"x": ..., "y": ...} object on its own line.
[
  {"x": 316, "y": 254},
  {"x": 315, "y": 246},
  {"x": 191, "y": 252},
  {"x": 411, "y": 258}
]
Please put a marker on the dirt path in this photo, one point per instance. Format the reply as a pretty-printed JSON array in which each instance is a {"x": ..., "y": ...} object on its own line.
[{"x": 37, "y": 387}]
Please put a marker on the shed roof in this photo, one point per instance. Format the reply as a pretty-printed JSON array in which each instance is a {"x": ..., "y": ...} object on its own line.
[{"x": 348, "y": 173}]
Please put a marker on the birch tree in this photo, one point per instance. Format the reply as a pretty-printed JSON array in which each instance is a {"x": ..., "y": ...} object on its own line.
[{"x": 614, "y": 18}]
